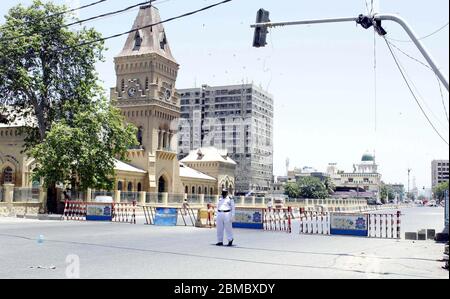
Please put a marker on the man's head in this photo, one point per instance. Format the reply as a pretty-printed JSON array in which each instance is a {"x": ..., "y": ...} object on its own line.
[{"x": 224, "y": 193}]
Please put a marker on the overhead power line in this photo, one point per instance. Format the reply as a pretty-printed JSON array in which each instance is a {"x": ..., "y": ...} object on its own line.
[
  {"x": 422, "y": 38},
  {"x": 150, "y": 25},
  {"x": 66, "y": 11},
  {"x": 108, "y": 13},
  {"x": 86, "y": 20},
  {"x": 412, "y": 92},
  {"x": 428, "y": 67}
]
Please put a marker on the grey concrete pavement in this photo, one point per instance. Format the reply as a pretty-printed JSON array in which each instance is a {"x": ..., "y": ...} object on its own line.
[{"x": 110, "y": 250}]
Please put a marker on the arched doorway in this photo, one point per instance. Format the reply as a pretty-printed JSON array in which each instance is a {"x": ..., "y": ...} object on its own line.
[{"x": 162, "y": 185}]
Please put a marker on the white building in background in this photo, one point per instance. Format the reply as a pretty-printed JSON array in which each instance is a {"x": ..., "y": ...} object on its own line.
[
  {"x": 439, "y": 172},
  {"x": 364, "y": 181},
  {"x": 237, "y": 118}
]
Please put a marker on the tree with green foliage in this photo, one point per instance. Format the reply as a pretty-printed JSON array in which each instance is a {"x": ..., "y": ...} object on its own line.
[
  {"x": 440, "y": 190},
  {"x": 386, "y": 193},
  {"x": 48, "y": 79},
  {"x": 313, "y": 188},
  {"x": 309, "y": 187},
  {"x": 44, "y": 67},
  {"x": 330, "y": 186},
  {"x": 292, "y": 190},
  {"x": 81, "y": 152}
]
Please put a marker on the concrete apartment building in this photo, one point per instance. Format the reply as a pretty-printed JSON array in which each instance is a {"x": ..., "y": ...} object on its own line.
[
  {"x": 237, "y": 118},
  {"x": 439, "y": 172}
]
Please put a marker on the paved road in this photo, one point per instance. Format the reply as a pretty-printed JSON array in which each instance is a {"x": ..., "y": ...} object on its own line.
[{"x": 109, "y": 250}]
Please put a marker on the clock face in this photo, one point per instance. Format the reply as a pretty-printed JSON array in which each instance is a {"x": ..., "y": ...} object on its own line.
[
  {"x": 167, "y": 94},
  {"x": 132, "y": 92}
]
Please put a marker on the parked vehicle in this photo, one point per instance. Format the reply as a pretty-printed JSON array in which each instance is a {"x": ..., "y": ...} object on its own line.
[
  {"x": 432, "y": 203},
  {"x": 104, "y": 199}
]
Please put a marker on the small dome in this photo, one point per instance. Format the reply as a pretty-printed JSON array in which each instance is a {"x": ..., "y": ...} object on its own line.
[{"x": 367, "y": 157}]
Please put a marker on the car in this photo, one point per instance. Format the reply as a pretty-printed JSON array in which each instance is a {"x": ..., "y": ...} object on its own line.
[
  {"x": 432, "y": 203},
  {"x": 104, "y": 199}
]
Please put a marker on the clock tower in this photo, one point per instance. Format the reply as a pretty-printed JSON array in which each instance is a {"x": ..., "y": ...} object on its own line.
[{"x": 145, "y": 93}]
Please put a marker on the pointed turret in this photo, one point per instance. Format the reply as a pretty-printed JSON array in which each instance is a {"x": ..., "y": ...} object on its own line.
[{"x": 148, "y": 40}]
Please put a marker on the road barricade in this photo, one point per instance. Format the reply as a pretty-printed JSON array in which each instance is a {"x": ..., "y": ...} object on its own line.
[
  {"x": 91, "y": 211},
  {"x": 74, "y": 211},
  {"x": 278, "y": 219},
  {"x": 124, "y": 212},
  {"x": 170, "y": 216},
  {"x": 385, "y": 226},
  {"x": 317, "y": 223},
  {"x": 296, "y": 213}
]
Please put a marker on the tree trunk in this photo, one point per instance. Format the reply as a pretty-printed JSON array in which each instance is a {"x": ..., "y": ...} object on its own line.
[{"x": 52, "y": 201}]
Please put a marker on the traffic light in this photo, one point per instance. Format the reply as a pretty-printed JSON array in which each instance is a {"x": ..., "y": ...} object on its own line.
[{"x": 260, "y": 38}]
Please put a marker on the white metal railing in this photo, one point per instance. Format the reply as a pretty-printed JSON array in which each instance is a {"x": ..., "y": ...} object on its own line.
[
  {"x": 129, "y": 197},
  {"x": 26, "y": 195}
]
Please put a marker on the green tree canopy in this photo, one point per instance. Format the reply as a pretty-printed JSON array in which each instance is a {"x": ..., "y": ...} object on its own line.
[
  {"x": 43, "y": 66},
  {"x": 439, "y": 190},
  {"x": 82, "y": 152},
  {"x": 309, "y": 187},
  {"x": 386, "y": 193},
  {"x": 292, "y": 190},
  {"x": 48, "y": 77}
]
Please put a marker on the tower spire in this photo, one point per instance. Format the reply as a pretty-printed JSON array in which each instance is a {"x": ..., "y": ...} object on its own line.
[{"x": 150, "y": 40}]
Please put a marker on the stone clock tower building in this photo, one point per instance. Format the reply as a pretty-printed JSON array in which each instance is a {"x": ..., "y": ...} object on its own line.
[{"x": 145, "y": 93}]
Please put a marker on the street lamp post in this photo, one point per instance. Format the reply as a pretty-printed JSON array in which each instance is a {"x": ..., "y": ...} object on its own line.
[{"x": 365, "y": 21}]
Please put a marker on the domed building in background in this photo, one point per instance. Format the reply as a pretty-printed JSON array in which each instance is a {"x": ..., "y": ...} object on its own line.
[
  {"x": 363, "y": 182},
  {"x": 367, "y": 165}
]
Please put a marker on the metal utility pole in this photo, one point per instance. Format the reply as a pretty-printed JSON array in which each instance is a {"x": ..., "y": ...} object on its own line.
[
  {"x": 366, "y": 21},
  {"x": 409, "y": 181}
]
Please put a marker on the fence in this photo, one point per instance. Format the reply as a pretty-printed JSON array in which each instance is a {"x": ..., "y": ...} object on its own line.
[
  {"x": 187, "y": 215},
  {"x": 151, "y": 198},
  {"x": 124, "y": 212},
  {"x": 129, "y": 197},
  {"x": 385, "y": 226},
  {"x": 26, "y": 195},
  {"x": 277, "y": 220},
  {"x": 120, "y": 212},
  {"x": 315, "y": 223}
]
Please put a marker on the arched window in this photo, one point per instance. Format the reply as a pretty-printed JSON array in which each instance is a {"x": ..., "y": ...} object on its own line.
[
  {"x": 139, "y": 135},
  {"x": 120, "y": 186},
  {"x": 162, "y": 185},
  {"x": 130, "y": 187},
  {"x": 199, "y": 190},
  {"x": 193, "y": 190},
  {"x": 8, "y": 175},
  {"x": 139, "y": 187},
  {"x": 211, "y": 191},
  {"x": 206, "y": 191},
  {"x": 186, "y": 190}
]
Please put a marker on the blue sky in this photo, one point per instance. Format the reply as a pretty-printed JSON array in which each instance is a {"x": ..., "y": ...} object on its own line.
[{"x": 321, "y": 76}]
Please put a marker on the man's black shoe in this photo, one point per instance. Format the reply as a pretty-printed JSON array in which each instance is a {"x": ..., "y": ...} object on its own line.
[
  {"x": 230, "y": 243},
  {"x": 219, "y": 244}
]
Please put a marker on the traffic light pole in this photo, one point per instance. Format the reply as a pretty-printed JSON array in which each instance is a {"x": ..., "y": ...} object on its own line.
[{"x": 375, "y": 18}]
